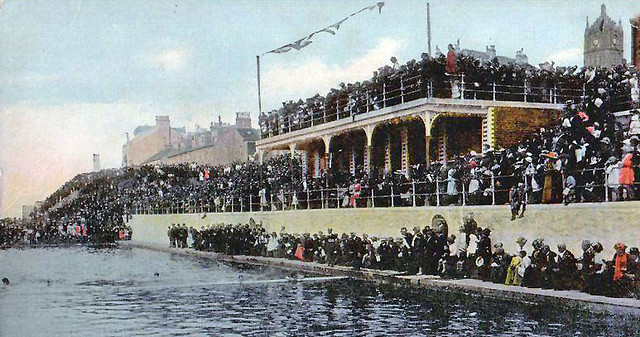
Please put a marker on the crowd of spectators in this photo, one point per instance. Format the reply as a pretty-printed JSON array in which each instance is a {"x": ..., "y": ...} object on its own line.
[
  {"x": 433, "y": 251},
  {"x": 17, "y": 232},
  {"x": 466, "y": 78},
  {"x": 589, "y": 155}
]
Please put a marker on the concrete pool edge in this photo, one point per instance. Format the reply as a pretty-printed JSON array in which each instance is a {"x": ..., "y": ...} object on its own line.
[{"x": 482, "y": 289}]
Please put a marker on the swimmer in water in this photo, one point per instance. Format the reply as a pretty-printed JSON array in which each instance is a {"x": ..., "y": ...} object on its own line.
[
  {"x": 5, "y": 281},
  {"x": 156, "y": 274}
]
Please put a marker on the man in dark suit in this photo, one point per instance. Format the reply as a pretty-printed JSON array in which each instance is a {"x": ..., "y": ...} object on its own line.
[
  {"x": 417, "y": 251},
  {"x": 567, "y": 269}
]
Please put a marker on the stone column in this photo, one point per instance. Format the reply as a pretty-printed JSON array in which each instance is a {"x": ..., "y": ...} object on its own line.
[
  {"x": 327, "y": 152},
  {"x": 292, "y": 148},
  {"x": 427, "y": 150},
  {"x": 387, "y": 155},
  {"x": 442, "y": 144},
  {"x": 404, "y": 141},
  {"x": 488, "y": 132},
  {"x": 368, "y": 130},
  {"x": 426, "y": 119},
  {"x": 305, "y": 164},
  {"x": 366, "y": 154},
  {"x": 317, "y": 167},
  {"x": 352, "y": 162}
]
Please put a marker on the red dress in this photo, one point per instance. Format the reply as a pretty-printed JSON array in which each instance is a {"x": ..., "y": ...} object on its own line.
[
  {"x": 299, "y": 254},
  {"x": 451, "y": 62},
  {"x": 627, "y": 176}
]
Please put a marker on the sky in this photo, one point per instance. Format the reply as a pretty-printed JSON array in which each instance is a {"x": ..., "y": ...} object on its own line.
[{"x": 75, "y": 76}]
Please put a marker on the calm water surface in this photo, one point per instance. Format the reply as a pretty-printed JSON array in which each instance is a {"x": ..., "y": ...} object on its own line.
[{"x": 114, "y": 292}]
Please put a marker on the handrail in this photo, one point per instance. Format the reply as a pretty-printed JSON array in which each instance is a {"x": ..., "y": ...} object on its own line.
[
  {"x": 414, "y": 193},
  {"x": 399, "y": 90}
]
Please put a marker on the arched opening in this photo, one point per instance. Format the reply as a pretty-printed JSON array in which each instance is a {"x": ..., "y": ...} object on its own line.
[
  {"x": 455, "y": 135},
  {"x": 347, "y": 153}
]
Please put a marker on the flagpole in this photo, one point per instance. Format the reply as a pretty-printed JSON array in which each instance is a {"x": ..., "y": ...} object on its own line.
[
  {"x": 429, "y": 30},
  {"x": 259, "y": 97}
]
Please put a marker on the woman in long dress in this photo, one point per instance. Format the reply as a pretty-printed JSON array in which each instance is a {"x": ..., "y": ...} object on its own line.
[
  {"x": 627, "y": 176},
  {"x": 190, "y": 238},
  {"x": 547, "y": 189}
]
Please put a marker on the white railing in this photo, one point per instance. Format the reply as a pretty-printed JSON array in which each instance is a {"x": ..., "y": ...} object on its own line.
[
  {"x": 488, "y": 190},
  {"x": 400, "y": 89}
]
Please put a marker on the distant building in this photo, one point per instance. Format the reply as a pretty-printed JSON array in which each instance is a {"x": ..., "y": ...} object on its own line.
[
  {"x": 221, "y": 143},
  {"x": 26, "y": 211},
  {"x": 635, "y": 41},
  {"x": 603, "y": 42},
  {"x": 490, "y": 54},
  {"x": 96, "y": 162}
]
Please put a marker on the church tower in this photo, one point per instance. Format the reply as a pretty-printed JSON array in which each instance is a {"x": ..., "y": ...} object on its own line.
[{"x": 603, "y": 41}]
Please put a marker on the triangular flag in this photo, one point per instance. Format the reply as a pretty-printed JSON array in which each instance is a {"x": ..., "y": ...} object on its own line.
[
  {"x": 337, "y": 24},
  {"x": 301, "y": 43},
  {"x": 328, "y": 30}
]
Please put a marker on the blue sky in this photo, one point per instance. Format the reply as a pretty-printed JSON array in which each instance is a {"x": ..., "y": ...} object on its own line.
[{"x": 76, "y": 75}]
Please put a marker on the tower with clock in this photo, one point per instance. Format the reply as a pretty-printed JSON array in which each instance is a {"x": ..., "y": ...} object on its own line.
[{"x": 603, "y": 41}]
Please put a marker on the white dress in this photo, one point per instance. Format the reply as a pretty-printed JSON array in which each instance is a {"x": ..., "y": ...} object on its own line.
[
  {"x": 190, "y": 240},
  {"x": 451, "y": 184}
]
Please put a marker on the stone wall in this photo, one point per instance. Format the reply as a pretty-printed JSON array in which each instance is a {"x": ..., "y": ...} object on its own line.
[
  {"x": 229, "y": 147},
  {"x": 605, "y": 222},
  {"x": 510, "y": 125},
  {"x": 141, "y": 148}
]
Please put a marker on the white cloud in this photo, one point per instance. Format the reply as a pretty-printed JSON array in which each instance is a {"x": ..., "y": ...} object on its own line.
[
  {"x": 281, "y": 82},
  {"x": 169, "y": 59},
  {"x": 570, "y": 56}
]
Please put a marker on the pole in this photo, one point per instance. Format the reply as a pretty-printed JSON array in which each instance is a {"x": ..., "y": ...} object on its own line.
[
  {"x": 259, "y": 96},
  {"x": 437, "y": 192},
  {"x": 413, "y": 192},
  {"x": 493, "y": 189},
  {"x": 429, "y": 30}
]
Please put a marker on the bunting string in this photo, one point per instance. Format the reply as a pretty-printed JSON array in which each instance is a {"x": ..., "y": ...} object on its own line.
[{"x": 331, "y": 29}]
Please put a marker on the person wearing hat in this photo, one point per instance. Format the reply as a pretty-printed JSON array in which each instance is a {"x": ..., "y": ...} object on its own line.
[
  {"x": 517, "y": 200},
  {"x": 483, "y": 254},
  {"x": 499, "y": 264},
  {"x": 612, "y": 172},
  {"x": 549, "y": 269},
  {"x": 585, "y": 262},
  {"x": 569, "y": 192},
  {"x": 550, "y": 179},
  {"x": 513, "y": 272},
  {"x": 567, "y": 269},
  {"x": 627, "y": 176},
  {"x": 521, "y": 241},
  {"x": 633, "y": 265},
  {"x": 449, "y": 258},
  {"x": 469, "y": 226},
  {"x": 533, "y": 274},
  {"x": 417, "y": 251},
  {"x": 621, "y": 260}
]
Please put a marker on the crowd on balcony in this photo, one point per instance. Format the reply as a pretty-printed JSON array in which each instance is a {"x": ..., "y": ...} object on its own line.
[
  {"x": 432, "y": 250},
  {"x": 451, "y": 76}
]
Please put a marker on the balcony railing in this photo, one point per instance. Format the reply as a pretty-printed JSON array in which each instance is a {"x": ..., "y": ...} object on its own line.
[
  {"x": 487, "y": 190},
  {"x": 400, "y": 90}
]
